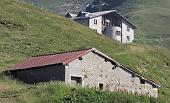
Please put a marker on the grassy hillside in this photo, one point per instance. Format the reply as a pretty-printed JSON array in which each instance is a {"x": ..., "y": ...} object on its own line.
[
  {"x": 151, "y": 16},
  {"x": 26, "y": 31}
]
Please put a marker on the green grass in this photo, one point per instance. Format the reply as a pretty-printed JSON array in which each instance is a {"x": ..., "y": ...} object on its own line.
[
  {"x": 152, "y": 18},
  {"x": 57, "y": 92},
  {"x": 26, "y": 31}
]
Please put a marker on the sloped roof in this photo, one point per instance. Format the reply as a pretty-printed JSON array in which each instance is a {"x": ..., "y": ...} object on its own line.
[
  {"x": 96, "y": 14},
  {"x": 67, "y": 57},
  {"x": 49, "y": 59},
  {"x": 70, "y": 15}
]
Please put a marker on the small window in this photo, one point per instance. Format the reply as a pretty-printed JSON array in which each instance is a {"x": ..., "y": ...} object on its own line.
[
  {"x": 154, "y": 86},
  {"x": 142, "y": 81},
  {"x": 133, "y": 75},
  {"x": 108, "y": 24},
  {"x": 95, "y": 21},
  {"x": 80, "y": 58},
  {"x": 100, "y": 86},
  {"x": 103, "y": 22},
  {"x": 128, "y": 28},
  {"x": 118, "y": 33},
  {"x": 128, "y": 38},
  {"x": 76, "y": 80},
  {"x": 114, "y": 67},
  {"x": 106, "y": 60}
]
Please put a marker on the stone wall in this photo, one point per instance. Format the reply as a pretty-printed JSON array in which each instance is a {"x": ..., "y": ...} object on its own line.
[{"x": 95, "y": 70}]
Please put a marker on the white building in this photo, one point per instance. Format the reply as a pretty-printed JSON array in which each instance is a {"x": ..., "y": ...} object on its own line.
[{"x": 109, "y": 23}]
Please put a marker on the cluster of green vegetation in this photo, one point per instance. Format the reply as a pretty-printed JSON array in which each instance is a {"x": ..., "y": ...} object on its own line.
[
  {"x": 46, "y": 4},
  {"x": 58, "y": 92},
  {"x": 151, "y": 17},
  {"x": 26, "y": 31}
]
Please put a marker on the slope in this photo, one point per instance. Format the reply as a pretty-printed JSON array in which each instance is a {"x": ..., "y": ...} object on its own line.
[
  {"x": 26, "y": 31},
  {"x": 151, "y": 16},
  {"x": 153, "y": 19}
]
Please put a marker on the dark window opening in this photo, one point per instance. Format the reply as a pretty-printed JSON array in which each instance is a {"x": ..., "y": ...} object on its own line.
[
  {"x": 76, "y": 80},
  {"x": 118, "y": 33},
  {"x": 80, "y": 58},
  {"x": 108, "y": 24},
  {"x": 100, "y": 86},
  {"x": 95, "y": 21},
  {"x": 142, "y": 81},
  {"x": 128, "y": 38},
  {"x": 133, "y": 75},
  {"x": 154, "y": 86},
  {"x": 114, "y": 67},
  {"x": 106, "y": 60},
  {"x": 103, "y": 22}
]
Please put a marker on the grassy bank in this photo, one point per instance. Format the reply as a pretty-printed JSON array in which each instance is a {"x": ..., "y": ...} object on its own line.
[
  {"x": 26, "y": 31},
  {"x": 57, "y": 92}
]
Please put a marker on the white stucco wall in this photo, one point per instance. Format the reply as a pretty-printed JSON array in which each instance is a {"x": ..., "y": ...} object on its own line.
[
  {"x": 97, "y": 26},
  {"x": 126, "y": 33},
  {"x": 117, "y": 37},
  {"x": 111, "y": 32},
  {"x": 94, "y": 70}
]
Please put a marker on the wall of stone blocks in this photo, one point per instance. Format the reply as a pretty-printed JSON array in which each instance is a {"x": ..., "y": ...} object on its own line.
[{"x": 94, "y": 69}]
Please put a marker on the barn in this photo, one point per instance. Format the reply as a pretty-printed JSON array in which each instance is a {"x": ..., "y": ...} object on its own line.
[{"x": 87, "y": 68}]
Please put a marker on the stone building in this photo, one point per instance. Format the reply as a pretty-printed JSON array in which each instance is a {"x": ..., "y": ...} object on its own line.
[
  {"x": 109, "y": 23},
  {"x": 87, "y": 68}
]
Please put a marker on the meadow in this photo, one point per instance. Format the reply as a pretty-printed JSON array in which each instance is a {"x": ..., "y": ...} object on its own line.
[{"x": 26, "y": 31}]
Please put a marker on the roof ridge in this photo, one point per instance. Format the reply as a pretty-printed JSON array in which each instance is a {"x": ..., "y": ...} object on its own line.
[{"x": 54, "y": 53}]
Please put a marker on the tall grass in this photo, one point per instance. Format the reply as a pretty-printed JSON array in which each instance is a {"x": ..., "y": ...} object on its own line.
[
  {"x": 29, "y": 31},
  {"x": 55, "y": 92}
]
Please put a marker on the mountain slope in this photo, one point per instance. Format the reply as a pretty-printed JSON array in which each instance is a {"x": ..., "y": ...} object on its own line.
[
  {"x": 26, "y": 31},
  {"x": 151, "y": 16}
]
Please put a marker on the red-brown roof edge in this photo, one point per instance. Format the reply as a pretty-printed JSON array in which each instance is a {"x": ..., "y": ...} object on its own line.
[
  {"x": 68, "y": 61},
  {"x": 64, "y": 63}
]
